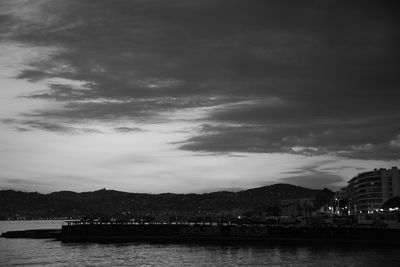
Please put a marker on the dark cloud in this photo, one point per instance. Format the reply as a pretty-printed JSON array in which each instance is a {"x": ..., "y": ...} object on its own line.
[
  {"x": 108, "y": 109},
  {"x": 62, "y": 92},
  {"x": 375, "y": 138},
  {"x": 314, "y": 77}
]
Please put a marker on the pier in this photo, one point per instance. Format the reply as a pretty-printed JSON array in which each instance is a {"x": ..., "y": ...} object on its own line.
[{"x": 129, "y": 231}]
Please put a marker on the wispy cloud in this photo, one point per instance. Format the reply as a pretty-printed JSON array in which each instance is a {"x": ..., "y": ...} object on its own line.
[
  {"x": 128, "y": 129},
  {"x": 29, "y": 125}
]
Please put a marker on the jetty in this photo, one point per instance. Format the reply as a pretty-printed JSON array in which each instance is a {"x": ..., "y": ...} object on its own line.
[
  {"x": 129, "y": 231},
  {"x": 133, "y": 231},
  {"x": 35, "y": 233}
]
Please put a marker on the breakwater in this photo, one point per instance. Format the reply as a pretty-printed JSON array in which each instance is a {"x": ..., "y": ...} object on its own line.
[
  {"x": 35, "y": 233},
  {"x": 128, "y": 231},
  {"x": 81, "y": 231}
]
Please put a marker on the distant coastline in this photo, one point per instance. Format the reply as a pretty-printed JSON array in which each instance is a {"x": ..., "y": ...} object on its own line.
[{"x": 106, "y": 204}]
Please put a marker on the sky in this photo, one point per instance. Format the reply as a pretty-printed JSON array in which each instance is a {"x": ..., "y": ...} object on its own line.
[{"x": 196, "y": 96}]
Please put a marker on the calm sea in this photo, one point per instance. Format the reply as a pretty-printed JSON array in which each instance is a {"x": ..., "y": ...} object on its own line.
[{"x": 37, "y": 252}]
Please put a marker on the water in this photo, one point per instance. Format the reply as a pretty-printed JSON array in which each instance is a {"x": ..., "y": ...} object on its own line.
[{"x": 39, "y": 252}]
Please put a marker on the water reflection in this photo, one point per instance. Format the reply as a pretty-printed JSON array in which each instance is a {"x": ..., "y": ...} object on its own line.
[{"x": 50, "y": 253}]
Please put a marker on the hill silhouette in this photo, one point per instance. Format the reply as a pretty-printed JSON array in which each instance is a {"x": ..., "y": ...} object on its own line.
[{"x": 117, "y": 204}]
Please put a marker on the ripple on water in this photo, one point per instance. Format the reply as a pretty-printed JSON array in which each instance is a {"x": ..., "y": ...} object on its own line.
[{"x": 38, "y": 252}]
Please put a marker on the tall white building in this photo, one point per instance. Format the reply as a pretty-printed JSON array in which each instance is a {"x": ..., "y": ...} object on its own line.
[{"x": 369, "y": 190}]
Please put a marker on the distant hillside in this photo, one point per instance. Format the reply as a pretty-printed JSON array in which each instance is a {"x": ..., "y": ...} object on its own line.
[{"x": 110, "y": 203}]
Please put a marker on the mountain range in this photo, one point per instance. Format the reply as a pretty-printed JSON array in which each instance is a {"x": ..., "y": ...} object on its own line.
[{"x": 109, "y": 203}]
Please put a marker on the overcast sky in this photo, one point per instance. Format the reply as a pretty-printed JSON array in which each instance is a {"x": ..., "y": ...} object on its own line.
[{"x": 196, "y": 95}]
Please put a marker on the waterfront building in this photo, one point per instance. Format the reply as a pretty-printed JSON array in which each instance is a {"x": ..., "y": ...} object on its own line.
[{"x": 369, "y": 190}]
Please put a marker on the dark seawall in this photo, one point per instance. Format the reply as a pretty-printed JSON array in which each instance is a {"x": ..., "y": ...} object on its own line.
[
  {"x": 36, "y": 233},
  {"x": 130, "y": 232},
  {"x": 184, "y": 232}
]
